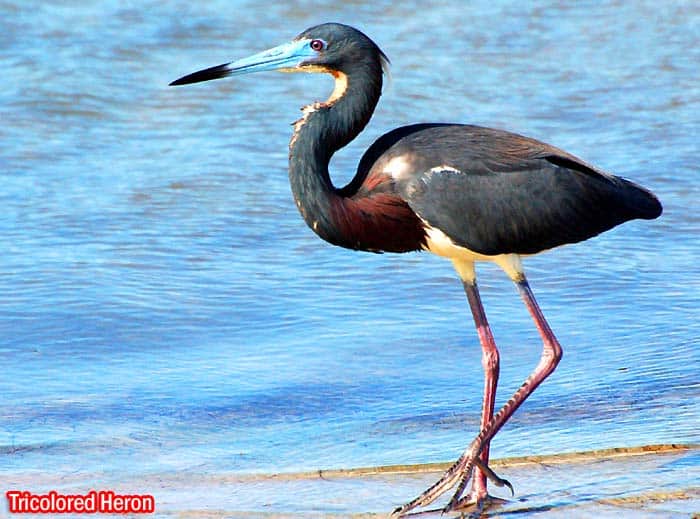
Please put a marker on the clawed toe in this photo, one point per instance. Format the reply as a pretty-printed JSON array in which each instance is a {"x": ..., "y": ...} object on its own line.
[
  {"x": 493, "y": 477},
  {"x": 459, "y": 473}
]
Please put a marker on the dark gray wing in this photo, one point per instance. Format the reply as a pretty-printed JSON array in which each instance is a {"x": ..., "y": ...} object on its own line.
[{"x": 496, "y": 192}]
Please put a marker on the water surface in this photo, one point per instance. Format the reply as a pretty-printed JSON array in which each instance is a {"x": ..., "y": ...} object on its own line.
[{"x": 163, "y": 307}]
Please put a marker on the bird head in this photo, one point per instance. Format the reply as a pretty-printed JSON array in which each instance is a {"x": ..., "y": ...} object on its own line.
[{"x": 330, "y": 47}]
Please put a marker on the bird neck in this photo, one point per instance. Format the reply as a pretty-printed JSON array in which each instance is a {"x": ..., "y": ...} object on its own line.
[{"x": 325, "y": 128}]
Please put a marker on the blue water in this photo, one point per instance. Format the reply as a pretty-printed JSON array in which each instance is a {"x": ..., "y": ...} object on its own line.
[{"x": 163, "y": 307}]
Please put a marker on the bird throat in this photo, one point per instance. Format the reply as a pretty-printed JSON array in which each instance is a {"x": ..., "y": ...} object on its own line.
[
  {"x": 339, "y": 90},
  {"x": 341, "y": 85}
]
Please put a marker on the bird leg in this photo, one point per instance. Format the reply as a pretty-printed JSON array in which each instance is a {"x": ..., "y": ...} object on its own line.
[
  {"x": 551, "y": 355},
  {"x": 490, "y": 363},
  {"x": 460, "y": 472}
]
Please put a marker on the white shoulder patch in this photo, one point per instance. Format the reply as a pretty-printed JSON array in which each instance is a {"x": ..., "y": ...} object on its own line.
[
  {"x": 444, "y": 169},
  {"x": 398, "y": 167}
]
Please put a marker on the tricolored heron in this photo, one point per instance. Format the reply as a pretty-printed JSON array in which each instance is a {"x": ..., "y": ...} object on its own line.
[{"x": 464, "y": 192}]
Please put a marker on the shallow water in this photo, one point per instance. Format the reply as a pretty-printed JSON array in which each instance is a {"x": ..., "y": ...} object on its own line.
[{"x": 164, "y": 307}]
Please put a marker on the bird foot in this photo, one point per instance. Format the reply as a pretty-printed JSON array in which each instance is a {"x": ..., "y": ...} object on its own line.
[
  {"x": 449, "y": 479},
  {"x": 473, "y": 507},
  {"x": 458, "y": 474}
]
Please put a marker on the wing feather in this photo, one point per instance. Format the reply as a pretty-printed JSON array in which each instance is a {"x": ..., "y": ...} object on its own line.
[{"x": 496, "y": 192}]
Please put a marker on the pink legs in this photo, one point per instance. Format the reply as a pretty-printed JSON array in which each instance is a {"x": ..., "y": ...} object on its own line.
[
  {"x": 460, "y": 472},
  {"x": 490, "y": 363}
]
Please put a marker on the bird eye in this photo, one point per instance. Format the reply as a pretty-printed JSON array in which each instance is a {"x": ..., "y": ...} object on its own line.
[{"x": 317, "y": 45}]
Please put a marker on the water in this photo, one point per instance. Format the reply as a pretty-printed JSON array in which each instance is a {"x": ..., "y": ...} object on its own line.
[{"x": 164, "y": 307}]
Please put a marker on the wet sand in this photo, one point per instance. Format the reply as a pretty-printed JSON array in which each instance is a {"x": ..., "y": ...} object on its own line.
[{"x": 649, "y": 481}]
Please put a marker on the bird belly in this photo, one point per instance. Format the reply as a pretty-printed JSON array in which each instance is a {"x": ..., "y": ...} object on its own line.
[{"x": 463, "y": 258}]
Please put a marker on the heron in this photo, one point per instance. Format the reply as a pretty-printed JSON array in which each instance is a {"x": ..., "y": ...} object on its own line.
[{"x": 464, "y": 192}]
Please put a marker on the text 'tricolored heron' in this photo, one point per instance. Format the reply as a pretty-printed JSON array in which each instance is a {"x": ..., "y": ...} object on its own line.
[{"x": 464, "y": 192}]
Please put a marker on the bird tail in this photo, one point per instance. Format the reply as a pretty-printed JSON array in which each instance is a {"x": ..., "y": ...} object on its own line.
[{"x": 641, "y": 202}]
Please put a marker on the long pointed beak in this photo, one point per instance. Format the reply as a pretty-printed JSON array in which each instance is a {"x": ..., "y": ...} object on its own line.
[{"x": 287, "y": 56}]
